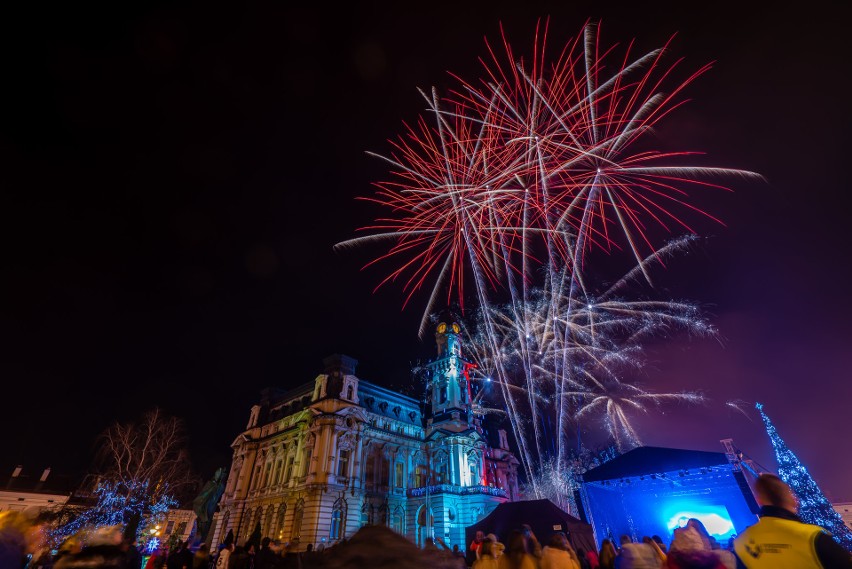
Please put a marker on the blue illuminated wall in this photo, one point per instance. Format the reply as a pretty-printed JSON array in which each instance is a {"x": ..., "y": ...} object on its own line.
[{"x": 655, "y": 504}]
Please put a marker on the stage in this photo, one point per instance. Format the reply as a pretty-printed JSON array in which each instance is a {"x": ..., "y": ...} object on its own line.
[{"x": 651, "y": 491}]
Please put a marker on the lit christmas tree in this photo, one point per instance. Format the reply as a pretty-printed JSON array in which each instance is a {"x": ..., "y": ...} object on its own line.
[{"x": 814, "y": 508}]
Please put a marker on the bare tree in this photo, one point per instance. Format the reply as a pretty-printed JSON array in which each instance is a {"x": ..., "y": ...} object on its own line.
[
  {"x": 153, "y": 449},
  {"x": 146, "y": 464}
]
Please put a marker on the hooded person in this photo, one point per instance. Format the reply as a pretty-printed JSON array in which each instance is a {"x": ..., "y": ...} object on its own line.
[{"x": 558, "y": 554}]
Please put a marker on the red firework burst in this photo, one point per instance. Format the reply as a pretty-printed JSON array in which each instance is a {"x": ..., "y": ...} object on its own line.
[{"x": 535, "y": 156}]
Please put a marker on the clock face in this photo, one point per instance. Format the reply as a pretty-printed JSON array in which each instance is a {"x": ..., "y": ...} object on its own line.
[
  {"x": 442, "y": 328},
  {"x": 456, "y": 328}
]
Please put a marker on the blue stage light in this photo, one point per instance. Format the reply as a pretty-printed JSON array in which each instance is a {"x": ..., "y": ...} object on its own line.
[{"x": 715, "y": 519}]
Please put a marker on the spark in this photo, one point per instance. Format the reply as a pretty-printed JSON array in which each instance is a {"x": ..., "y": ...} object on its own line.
[
  {"x": 505, "y": 193},
  {"x": 535, "y": 152}
]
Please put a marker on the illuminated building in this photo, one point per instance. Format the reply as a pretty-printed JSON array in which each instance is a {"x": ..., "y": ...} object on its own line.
[{"x": 320, "y": 461}]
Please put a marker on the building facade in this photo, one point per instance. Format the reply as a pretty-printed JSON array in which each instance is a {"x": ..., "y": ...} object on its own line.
[
  {"x": 317, "y": 463},
  {"x": 24, "y": 493}
]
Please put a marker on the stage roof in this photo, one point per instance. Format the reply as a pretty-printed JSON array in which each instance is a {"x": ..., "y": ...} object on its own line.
[{"x": 653, "y": 460}]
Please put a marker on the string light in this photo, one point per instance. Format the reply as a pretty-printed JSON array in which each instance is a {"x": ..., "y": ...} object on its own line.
[{"x": 814, "y": 508}]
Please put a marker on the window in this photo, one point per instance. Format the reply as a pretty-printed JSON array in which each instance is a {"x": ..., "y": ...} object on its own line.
[
  {"x": 474, "y": 478},
  {"x": 366, "y": 515},
  {"x": 349, "y": 393},
  {"x": 398, "y": 475},
  {"x": 225, "y": 520},
  {"x": 370, "y": 471},
  {"x": 279, "y": 471},
  {"x": 399, "y": 520},
  {"x": 289, "y": 472},
  {"x": 338, "y": 520},
  {"x": 420, "y": 476},
  {"x": 282, "y": 511},
  {"x": 246, "y": 525},
  {"x": 298, "y": 514},
  {"x": 385, "y": 472},
  {"x": 441, "y": 470},
  {"x": 267, "y": 523},
  {"x": 343, "y": 464}
]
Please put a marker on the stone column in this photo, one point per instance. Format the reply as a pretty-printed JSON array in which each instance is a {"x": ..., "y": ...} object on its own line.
[{"x": 299, "y": 456}]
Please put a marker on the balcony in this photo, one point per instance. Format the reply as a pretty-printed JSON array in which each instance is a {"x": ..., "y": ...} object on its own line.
[{"x": 459, "y": 490}]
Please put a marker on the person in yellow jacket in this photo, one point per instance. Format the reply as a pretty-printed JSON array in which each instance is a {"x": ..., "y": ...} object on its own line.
[{"x": 780, "y": 539}]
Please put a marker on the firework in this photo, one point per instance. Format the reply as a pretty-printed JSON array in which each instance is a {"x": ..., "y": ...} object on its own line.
[
  {"x": 535, "y": 164},
  {"x": 510, "y": 183},
  {"x": 559, "y": 361}
]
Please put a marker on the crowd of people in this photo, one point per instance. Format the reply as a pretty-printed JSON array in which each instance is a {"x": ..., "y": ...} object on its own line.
[{"x": 779, "y": 540}]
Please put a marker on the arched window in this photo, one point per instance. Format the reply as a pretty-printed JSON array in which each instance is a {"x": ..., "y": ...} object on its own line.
[
  {"x": 282, "y": 512},
  {"x": 425, "y": 525},
  {"x": 298, "y": 514},
  {"x": 338, "y": 517},
  {"x": 224, "y": 528},
  {"x": 245, "y": 527},
  {"x": 279, "y": 471},
  {"x": 267, "y": 524},
  {"x": 473, "y": 467},
  {"x": 257, "y": 517},
  {"x": 398, "y": 522},
  {"x": 366, "y": 514}
]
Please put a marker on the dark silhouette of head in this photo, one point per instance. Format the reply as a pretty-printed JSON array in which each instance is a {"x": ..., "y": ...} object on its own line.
[{"x": 770, "y": 490}]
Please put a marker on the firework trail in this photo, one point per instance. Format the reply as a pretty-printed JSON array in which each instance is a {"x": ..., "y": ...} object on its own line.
[
  {"x": 510, "y": 183},
  {"x": 559, "y": 362}
]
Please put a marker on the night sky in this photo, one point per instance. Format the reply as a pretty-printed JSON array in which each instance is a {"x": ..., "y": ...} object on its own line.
[{"x": 173, "y": 179}]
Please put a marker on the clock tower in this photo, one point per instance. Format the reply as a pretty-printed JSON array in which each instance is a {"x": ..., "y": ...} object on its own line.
[{"x": 449, "y": 391}]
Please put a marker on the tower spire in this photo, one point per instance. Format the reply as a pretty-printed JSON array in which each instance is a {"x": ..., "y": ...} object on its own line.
[{"x": 448, "y": 389}]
